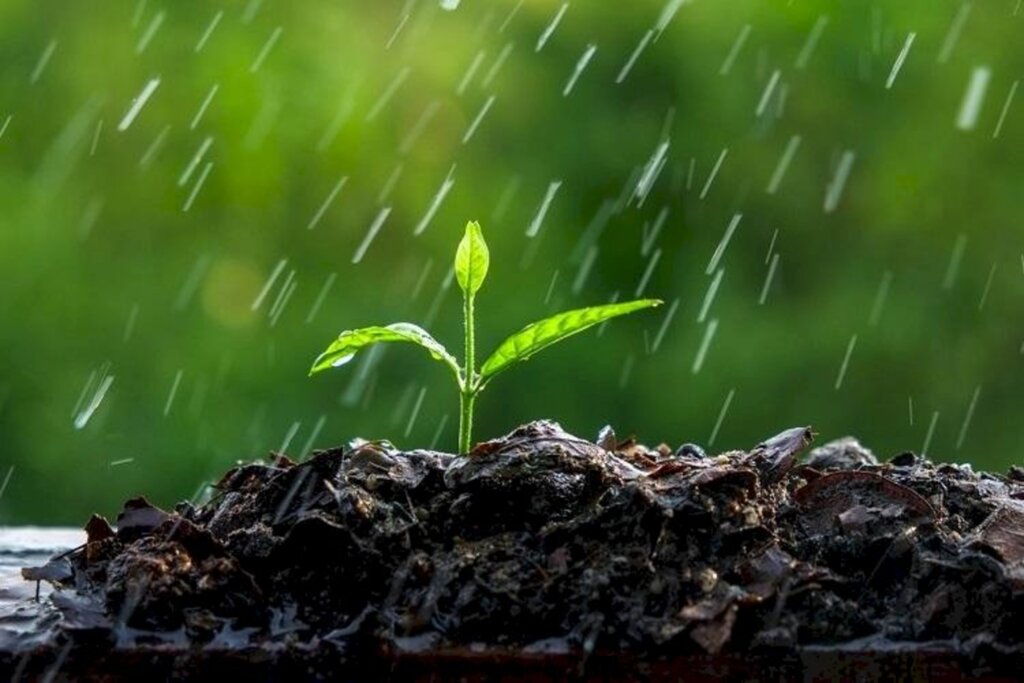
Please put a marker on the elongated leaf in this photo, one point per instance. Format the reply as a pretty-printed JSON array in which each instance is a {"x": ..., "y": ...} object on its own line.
[
  {"x": 472, "y": 259},
  {"x": 544, "y": 333},
  {"x": 350, "y": 342}
]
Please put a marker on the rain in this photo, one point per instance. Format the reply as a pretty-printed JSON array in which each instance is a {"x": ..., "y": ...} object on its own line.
[
  {"x": 207, "y": 196},
  {"x": 138, "y": 103}
]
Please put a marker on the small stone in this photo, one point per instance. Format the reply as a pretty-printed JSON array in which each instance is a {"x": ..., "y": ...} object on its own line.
[
  {"x": 706, "y": 579},
  {"x": 846, "y": 453},
  {"x": 690, "y": 450}
]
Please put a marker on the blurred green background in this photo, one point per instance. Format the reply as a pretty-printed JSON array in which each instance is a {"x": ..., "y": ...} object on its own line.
[{"x": 137, "y": 354}]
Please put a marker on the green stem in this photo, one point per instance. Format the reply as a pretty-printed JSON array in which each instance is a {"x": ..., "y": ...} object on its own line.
[
  {"x": 466, "y": 421},
  {"x": 468, "y": 389}
]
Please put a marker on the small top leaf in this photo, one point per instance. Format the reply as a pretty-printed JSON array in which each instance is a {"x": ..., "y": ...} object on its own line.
[
  {"x": 544, "y": 333},
  {"x": 344, "y": 348},
  {"x": 472, "y": 259}
]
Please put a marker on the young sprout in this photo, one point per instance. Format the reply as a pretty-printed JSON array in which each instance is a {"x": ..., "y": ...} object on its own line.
[{"x": 472, "y": 260}]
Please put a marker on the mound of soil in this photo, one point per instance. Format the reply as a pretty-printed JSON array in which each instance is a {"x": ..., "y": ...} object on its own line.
[{"x": 543, "y": 544}]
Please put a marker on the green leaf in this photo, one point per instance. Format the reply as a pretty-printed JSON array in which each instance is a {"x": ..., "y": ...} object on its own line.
[
  {"x": 544, "y": 333},
  {"x": 472, "y": 259},
  {"x": 350, "y": 342}
]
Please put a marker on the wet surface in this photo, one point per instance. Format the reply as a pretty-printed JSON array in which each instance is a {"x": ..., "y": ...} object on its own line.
[{"x": 542, "y": 545}]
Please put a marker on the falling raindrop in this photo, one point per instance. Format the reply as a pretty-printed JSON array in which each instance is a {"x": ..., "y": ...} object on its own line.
[
  {"x": 834, "y": 191},
  {"x": 435, "y": 203},
  {"x": 721, "y": 417},
  {"x": 949, "y": 42},
  {"x": 714, "y": 172},
  {"x": 265, "y": 50},
  {"x": 667, "y": 12},
  {"x": 1002, "y": 114},
  {"x": 651, "y": 238},
  {"x": 614, "y": 299},
  {"x": 477, "y": 119},
  {"x": 289, "y": 435},
  {"x": 192, "y": 282},
  {"x": 283, "y": 299},
  {"x": 584, "y": 59},
  {"x": 340, "y": 117},
  {"x": 7, "y": 480},
  {"x": 931, "y": 432},
  {"x": 660, "y": 336},
  {"x": 652, "y": 169},
  {"x": 173, "y": 393},
  {"x": 628, "y": 66},
  {"x": 198, "y": 186},
  {"x": 371, "y": 233},
  {"x": 150, "y": 32},
  {"x": 327, "y": 202},
  {"x": 417, "y": 128},
  {"x": 140, "y": 9},
  {"x": 968, "y": 417},
  {"x": 390, "y": 183},
  {"x": 320, "y": 297},
  {"x": 846, "y": 361},
  {"x": 415, "y": 412},
  {"x": 780, "y": 169},
  {"x": 251, "y": 8},
  {"x": 584, "y": 270},
  {"x": 651, "y": 265},
  {"x": 511, "y": 15},
  {"x": 478, "y": 59},
  {"x": 96, "y": 138},
  {"x": 147, "y": 157},
  {"x": 552, "y": 25},
  {"x": 388, "y": 93},
  {"x": 627, "y": 370},
  {"x": 812, "y": 41},
  {"x": 278, "y": 269},
  {"x": 771, "y": 246},
  {"x": 492, "y": 73},
  {"x": 953, "y": 269},
  {"x": 734, "y": 51},
  {"x": 193, "y": 163},
  {"x": 129, "y": 325},
  {"x": 900, "y": 58},
  {"x": 202, "y": 107},
  {"x": 709, "y": 295},
  {"x": 307, "y": 447},
  {"x": 880, "y": 298},
  {"x": 768, "y": 280},
  {"x": 437, "y": 433},
  {"x": 138, "y": 103},
  {"x": 767, "y": 94},
  {"x": 44, "y": 59},
  {"x": 538, "y": 218},
  {"x": 988, "y": 286},
  {"x": 970, "y": 107},
  {"x": 705, "y": 344},
  {"x": 723, "y": 243},
  {"x": 83, "y": 417},
  {"x": 398, "y": 30},
  {"x": 209, "y": 30},
  {"x": 551, "y": 287}
]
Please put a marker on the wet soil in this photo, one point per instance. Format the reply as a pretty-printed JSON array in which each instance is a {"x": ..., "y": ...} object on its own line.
[{"x": 541, "y": 549}]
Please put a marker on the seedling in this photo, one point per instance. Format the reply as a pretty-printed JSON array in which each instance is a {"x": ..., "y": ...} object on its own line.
[{"x": 472, "y": 260}]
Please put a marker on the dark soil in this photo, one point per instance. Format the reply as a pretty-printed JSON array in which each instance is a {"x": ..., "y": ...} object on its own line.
[{"x": 544, "y": 544}]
